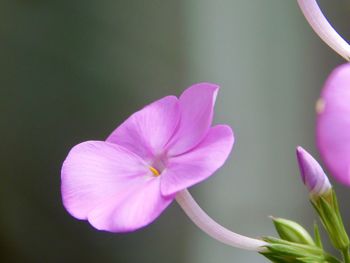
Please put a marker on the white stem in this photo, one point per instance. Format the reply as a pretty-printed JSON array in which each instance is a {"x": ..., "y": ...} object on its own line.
[
  {"x": 323, "y": 28},
  {"x": 213, "y": 229}
]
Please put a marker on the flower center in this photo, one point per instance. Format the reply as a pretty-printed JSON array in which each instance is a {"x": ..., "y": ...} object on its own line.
[
  {"x": 158, "y": 165},
  {"x": 154, "y": 171}
]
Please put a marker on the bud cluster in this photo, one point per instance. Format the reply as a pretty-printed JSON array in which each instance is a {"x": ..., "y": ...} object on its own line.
[{"x": 295, "y": 243}]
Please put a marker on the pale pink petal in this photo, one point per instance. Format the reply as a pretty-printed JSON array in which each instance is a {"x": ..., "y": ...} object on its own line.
[
  {"x": 94, "y": 171},
  {"x": 198, "y": 164},
  {"x": 197, "y": 109},
  {"x": 333, "y": 124},
  {"x": 135, "y": 207},
  {"x": 148, "y": 130}
]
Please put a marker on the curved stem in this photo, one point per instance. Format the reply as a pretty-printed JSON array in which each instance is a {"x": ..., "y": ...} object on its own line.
[
  {"x": 213, "y": 229},
  {"x": 323, "y": 28}
]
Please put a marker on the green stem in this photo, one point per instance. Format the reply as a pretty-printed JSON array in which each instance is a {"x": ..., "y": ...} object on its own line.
[{"x": 346, "y": 255}]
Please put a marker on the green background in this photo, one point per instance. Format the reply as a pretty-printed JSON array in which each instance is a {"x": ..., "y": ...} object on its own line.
[{"x": 71, "y": 71}]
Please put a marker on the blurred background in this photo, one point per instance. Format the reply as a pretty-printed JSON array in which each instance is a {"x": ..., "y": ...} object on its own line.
[{"x": 73, "y": 70}]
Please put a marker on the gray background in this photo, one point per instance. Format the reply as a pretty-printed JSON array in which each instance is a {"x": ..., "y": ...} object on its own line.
[{"x": 73, "y": 70}]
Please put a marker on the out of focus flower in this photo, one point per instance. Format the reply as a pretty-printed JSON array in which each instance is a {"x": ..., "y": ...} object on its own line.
[
  {"x": 333, "y": 123},
  {"x": 125, "y": 182},
  {"x": 312, "y": 173}
]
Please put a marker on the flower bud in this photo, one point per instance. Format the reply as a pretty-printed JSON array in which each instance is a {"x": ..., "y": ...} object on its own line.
[
  {"x": 312, "y": 173},
  {"x": 323, "y": 198},
  {"x": 292, "y": 231}
]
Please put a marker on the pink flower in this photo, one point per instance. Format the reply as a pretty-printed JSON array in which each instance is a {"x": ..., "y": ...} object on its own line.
[
  {"x": 333, "y": 123},
  {"x": 125, "y": 182}
]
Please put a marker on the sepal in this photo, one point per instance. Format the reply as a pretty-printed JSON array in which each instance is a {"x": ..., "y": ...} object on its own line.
[
  {"x": 317, "y": 236},
  {"x": 328, "y": 210},
  {"x": 283, "y": 251}
]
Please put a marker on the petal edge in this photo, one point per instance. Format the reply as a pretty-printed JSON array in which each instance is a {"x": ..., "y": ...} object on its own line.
[{"x": 197, "y": 109}]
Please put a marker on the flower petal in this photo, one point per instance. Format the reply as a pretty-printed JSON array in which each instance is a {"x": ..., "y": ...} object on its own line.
[
  {"x": 132, "y": 209},
  {"x": 148, "y": 130},
  {"x": 197, "y": 110},
  {"x": 333, "y": 124},
  {"x": 95, "y": 170},
  {"x": 198, "y": 164}
]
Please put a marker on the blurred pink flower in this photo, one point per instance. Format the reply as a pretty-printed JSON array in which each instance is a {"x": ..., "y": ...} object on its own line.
[
  {"x": 125, "y": 182},
  {"x": 333, "y": 123}
]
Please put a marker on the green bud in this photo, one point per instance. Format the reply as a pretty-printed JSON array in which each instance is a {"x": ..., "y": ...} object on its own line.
[{"x": 292, "y": 231}]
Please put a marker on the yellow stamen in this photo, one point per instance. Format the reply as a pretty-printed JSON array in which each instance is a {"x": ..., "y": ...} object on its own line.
[{"x": 154, "y": 171}]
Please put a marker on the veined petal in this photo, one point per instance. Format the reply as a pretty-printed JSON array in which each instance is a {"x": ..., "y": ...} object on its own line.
[
  {"x": 135, "y": 207},
  {"x": 333, "y": 124},
  {"x": 94, "y": 171},
  {"x": 198, "y": 164},
  {"x": 197, "y": 110},
  {"x": 147, "y": 131}
]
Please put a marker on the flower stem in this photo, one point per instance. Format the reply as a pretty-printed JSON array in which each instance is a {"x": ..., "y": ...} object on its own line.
[
  {"x": 212, "y": 228},
  {"x": 346, "y": 255},
  {"x": 323, "y": 28}
]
